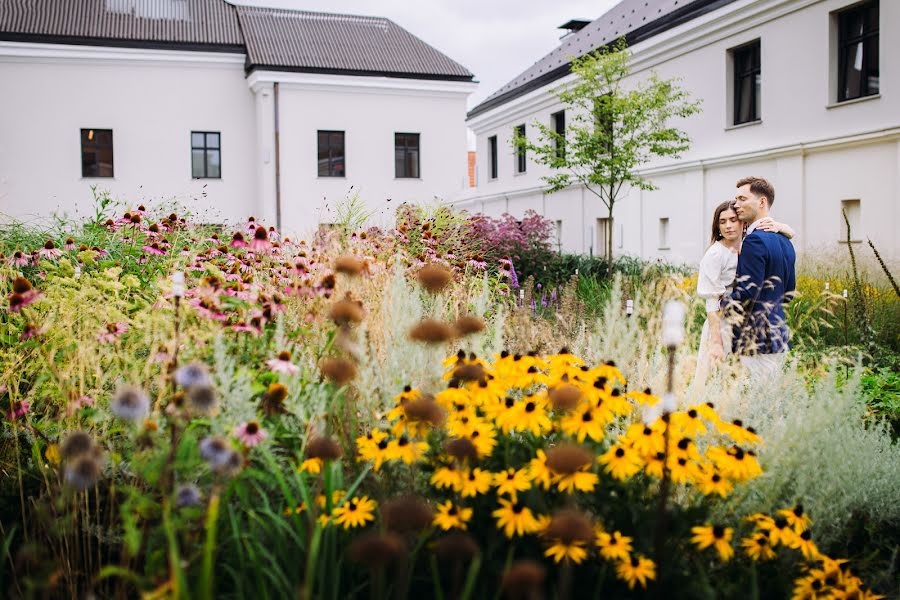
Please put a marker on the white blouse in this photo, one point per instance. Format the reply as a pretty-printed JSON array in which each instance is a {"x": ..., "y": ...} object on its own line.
[{"x": 717, "y": 270}]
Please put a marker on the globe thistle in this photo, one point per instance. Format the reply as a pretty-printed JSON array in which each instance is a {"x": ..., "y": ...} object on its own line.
[
  {"x": 187, "y": 494},
  {"x": 192, "y": 374},
  {"x": 216, "y": 451},
  {"x": 130, "y": 403},
  {"x": 201, "y": 399},
  {"x": 76, "y": 444},
  {"x": 83, "y": 472}
]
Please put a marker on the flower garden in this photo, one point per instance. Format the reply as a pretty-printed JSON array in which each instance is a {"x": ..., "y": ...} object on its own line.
[{"x": 442, "y": 409}]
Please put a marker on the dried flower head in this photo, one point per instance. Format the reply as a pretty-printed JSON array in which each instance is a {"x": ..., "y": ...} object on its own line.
[
  {"x": 349, "y": 265},
  {"x": 425, "y": 409},
  {"x": 568, "y": 458},
  {"x": 431, "y": 331},
  {"x": 345, "y": 312},
  {"x": 461, "y": 449},
  {"x": 456, "y": 547},
  {"x": 468, "y": 324},
  {"x": 338, "y": 370},
  {"x": 130, "y": 402},
  {"x": 272, "y": 402},
  {"x": 192, "y": 374},
  {"x": 323, "y": 447},
  {"x": 565, "y": 397},
  {"x": 201, "y": 399},
  {"x": 83, "y": 472},
  {"x": 21, "y": 285},
  {"x": 469, "y": 372},
  {"x": 376, "y": 550},
  {"x": 76, "y": 444},
  {"x": 524, "y": 579},
  {"x": 434, "y": 277},
  {"x": 569, "y": 526},
  {"x": 406, "y": 514}
]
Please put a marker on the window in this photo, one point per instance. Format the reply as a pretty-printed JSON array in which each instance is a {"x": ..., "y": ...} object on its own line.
[
  {"x": 852, "y": 210},
  {"x": 331, "y": 154},
  {"x": 664, "y": 233},
  {"x": 206, "y": 155},
  {"x": 559, "y": 236},
  {"x": 858, "y": 51},
  {"x": 521, "y": 162},
  {"x": 406, "y": 155},
  {"x": 558, "y": 120},
  {"x": 492, "y": 157},
  {"x": 747, "y": 83},
  {"x": 96, "y": 153},
  {"x": 604, "y": 230}
]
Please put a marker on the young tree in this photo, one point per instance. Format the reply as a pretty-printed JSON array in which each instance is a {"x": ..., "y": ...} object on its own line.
[{"x": 612, "y": 129}]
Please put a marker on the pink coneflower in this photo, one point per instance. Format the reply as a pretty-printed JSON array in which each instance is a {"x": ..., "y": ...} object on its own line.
[
  {"x": 477, "y": 263},
  {"x": 22, "y": 295},
  {"x": 49, "y": 251},
  {"x": 113, "y": 332},
  {"x": 31, "y": 330},
  {"x": 260, "y": 241},
  {"x": 283, "y": 364},
  {"x": 100, "y": 251},
  {"x": 153, "y": 249},
  {"x": 238, "y": 241},
  {"x": 17, "y": 409},
  {"x": 78, "y": 403},
  {"x": 250, "y": 433},
  {"x": 69, "y": 245},
  {"x": 19, "y": 259}
]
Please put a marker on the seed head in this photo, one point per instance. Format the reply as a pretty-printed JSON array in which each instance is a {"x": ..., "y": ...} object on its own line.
[
  {"x": 201, "y": 399},
  {"x": 461, "y": 449},
  {"x": 191, "y": 374},
  {"x": 83, "y": 472},
  {"x": 349, "y": 265},
  {"x": 467, "y": 325},
  {"x": 569, "y": 526},
  {"x": 425, "y": 409},
  {"x": 565, "y": 397},
  {"x": 338, "y": 370},
  {"x": 524, "y": 579},
  {"x": 456, "y": 547},
  {"x": 434, "y": 277},
  {"x": 431, "y": 331},
  {"x": 568, "y": 458},
  {"x": 345, "y": 312},
  {"x": 376, "y": 550},
  {"x": 324, "y": 448},
  {"x": 406, "y": 514},
  {"x": 130, "y": 403},
  {"x": 76, "y": 444}
]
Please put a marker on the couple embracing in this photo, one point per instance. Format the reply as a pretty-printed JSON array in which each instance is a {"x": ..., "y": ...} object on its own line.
[{"x": 746, "y": 277}]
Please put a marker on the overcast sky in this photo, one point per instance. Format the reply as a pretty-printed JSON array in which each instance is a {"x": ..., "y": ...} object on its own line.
[{"x": 495, "y": 39}]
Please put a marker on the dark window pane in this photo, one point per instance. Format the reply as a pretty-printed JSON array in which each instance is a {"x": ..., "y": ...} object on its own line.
[
  {"x": 197, "y": 164},
  {"x": 196, "y": 139},
  {"x": 212, "y": 140},
  {"x": 492, "y": 143},
  {"x": 96, "y": 153},
  {"x": 406, "y": 155},
  {"x": 747, "y": 83},
  {"x": 212, "y": 163},
  {"x": 858, "y": 57},
  {"x": 331, "y": 154},
  {"x": 521, "y": 163}
]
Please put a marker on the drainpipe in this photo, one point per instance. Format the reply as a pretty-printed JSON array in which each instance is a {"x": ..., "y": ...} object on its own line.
[{"x": 277, "y": 162}]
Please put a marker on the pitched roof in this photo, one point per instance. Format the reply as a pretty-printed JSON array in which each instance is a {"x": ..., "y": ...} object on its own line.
[
  {"x": 636, "y": 20},
  {"x": 275, "y": 39},
  {"x": 325, "y": 42}
]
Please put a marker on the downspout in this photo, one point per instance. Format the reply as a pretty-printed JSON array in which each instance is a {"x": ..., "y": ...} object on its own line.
[{"x": 277, "y": 162}]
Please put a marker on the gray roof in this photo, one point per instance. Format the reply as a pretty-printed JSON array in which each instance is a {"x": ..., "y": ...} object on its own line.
[
  {"x": 636, "y": 20},
  {"x": 278, "y": 39},
  {"x": 311, "y": 41}
]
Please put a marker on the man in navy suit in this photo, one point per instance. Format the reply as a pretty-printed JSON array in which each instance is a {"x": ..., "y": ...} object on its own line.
[{"x": 764, "y": 283}]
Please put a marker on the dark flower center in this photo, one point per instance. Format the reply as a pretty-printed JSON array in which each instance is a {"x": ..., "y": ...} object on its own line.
[
  {"x": 718, "y": 532},
  {"x": 587, "y": 417},
  {"x": 530, "y": 407},
  {"x": 509, "y": 402},
  {"x": 620, "y": 452},
  {"x": 252, "y": 428}
]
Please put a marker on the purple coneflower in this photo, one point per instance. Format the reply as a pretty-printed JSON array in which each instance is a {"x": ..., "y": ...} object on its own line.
[
  {"x": 250, "y": 433},
  {"x": 153, "y": 249},
  {"x": 113, "y": 332},
  {"x": 19, "y": 259},
  {"x": 283, "y": 364},
  {"x": 130, "y": 403},
  {"x": 260, "y": 242},
  {"x": 49, "y": 251},
  {"x": 69, "y": 245},
  {"x": 17, "y": 409},
  {"x": 22, "y": 295},
  {"x": 31, "y": 330},
  {"x": 238, "y": 241}
]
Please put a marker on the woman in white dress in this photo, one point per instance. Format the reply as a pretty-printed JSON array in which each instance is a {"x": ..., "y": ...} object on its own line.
[{"x": 716, "y": 278}]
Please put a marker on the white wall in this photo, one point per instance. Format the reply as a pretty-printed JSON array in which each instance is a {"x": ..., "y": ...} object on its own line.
[
  {"x": 816, "y": 153},
  {"x": 151, "y": 99}
]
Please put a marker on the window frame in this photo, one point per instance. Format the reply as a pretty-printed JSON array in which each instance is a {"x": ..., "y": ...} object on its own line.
[
  {"x": 92, "y": 144},
  {"x": 493, "y": 158},
  {"x": 406, "y": 152},
  {"x": 557, "y": 118},
  {"x": 332, "y": 155},
  {"x": 521, "y": 163},
  {"x": 206, "y": 148},
  {"x": 738, "y": 78},
  {"x": 844, "y": 42}
]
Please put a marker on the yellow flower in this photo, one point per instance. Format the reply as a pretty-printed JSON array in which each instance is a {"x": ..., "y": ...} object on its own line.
[
  {"x": 355, "y": 512},
  {"x": 313, "y": 466},
  {"x": 446, "y": 477},
  {"x": 688, "y": 423},
  {"x": 758, "y": 547},
  {"x": 646, "y": 440},
  {"x": 636, "y": 569},
  {"x": 711, "y": 482},
  {"x": 512, "y": 481},
  {"x": 530, "y": 414},
  {"x": 406, "y": 450},
  {"x": 574, "y": 551},
  {"x": 538, "y": 470},
  {"x": 474, "y": 482},
  {"x": 586, "y": 421},
  {"x": 582, "y": 480},
  {"x": 716, "y": 536},
  {"x": 373, "y": 446},
  {"x": 621, "y": 462},
  {"x": 736, "y": 431},
  {"x": 804, "y": 543},
  {"x": 514, "y": 518},
  {"x": 449, "y": 516},
  {"x": 779, "y": 530},
  {"x": 52, "y": 454},
  {"x": 614, "y": 546},
  {"x": 796, "y": 518}
]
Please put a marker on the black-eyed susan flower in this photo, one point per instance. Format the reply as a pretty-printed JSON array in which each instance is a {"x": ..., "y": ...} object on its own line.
[
  {"x": 654, "y": 465},
  {"x": 574, "y": 550},
  {"x": 313, "y": 466},
  {"x": 803, "y": 542},
  {"x": 682, "y": 470},
  {"x": 538, "y": 471},
  {"x": 758, "y": 546},
  {"x": 688, "y": 422},
  {"x": 447, "y": 477},
  {"x": 355, "y": 512},
  {"x": 451, "y": 516},
  {"x": 586, "y": 421},
  {"x": 737, "y": 432},
  {"x": 530, "y": 414},
  {"x": 514, "y": 518},
  {"x": 512, "y": 481},
  {"x": 779, "y": 530},
  {"x": 614, "y": 546},
  {"x": 710, "y": 482},
  {"x": 636, "y": 570},
  {"x": 409, "y": 451},
  {"x": 621, "y": 462},
  {"x": 570, "y": 466},
  {"x": 567, "y": 536},
  {"x": 376, "y": 451},
  {"x": 796, "y": 518},
  {"x": 646, "y": 440},
  {"x": 474, "y": 482},
  {"x": 716, "y": 536}
]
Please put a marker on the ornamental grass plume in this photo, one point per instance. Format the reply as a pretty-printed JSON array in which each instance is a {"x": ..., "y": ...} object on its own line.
[
  {"x": 406, "y": 514},
  {"x": 434, "y": 277},
  {"x": 431, "y": 331}
]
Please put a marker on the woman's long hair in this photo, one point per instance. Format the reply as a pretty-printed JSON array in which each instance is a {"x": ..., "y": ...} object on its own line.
[{"x": 716, "y": 232}]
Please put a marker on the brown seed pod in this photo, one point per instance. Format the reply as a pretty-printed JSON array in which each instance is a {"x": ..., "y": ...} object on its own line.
[
  {"x": 338, "y": 370},
  {"x": 406, "y": 514},
  {"x": 456, "y": 547},
  {"x": 431, "y": 331},
  {"x": 467, "y": 325},
  {"x": 566, "y": 459},
  {"x": 323, "y": 447},
  {"x": 76, "y": 444},
  {"x": 524, "y": 579},
  {"x": 569, "y": 526},
  {"x": 469, "y": 372},
  {"x": 564, "y": 397},
  {"x": 461, "y": 449},
  {"x": 21, "y": 285},
  {"x": 345, "y": 312},
  {"x": 349, "y": 265},
  {"x": 434, "y": 277},
  {"x": 376, "y": 550},
  {"x": 425, "y": 409}
]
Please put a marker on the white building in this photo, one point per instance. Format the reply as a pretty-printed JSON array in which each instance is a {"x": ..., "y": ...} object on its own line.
[
  {"x": 803, "y": 92},
  {"x": 232, "y": 110}
]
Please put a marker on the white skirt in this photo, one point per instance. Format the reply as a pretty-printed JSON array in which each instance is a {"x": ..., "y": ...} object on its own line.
[{"x": 703, "y": 360}]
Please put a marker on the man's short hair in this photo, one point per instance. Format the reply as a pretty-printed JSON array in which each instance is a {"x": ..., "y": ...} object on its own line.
[{"x": 760, "y": 187}]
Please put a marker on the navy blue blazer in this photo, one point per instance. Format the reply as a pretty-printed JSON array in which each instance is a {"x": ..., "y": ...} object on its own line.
[{"x": 763, "y": 285}]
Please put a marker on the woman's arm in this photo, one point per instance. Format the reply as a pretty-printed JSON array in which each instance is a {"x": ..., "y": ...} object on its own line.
[
  {"x": 711, "y": 288},
  {"x": 768, "y": 224}
]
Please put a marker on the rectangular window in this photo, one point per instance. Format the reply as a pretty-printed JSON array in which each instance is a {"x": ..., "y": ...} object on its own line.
[
  {"x": 331, "y": 154},
  {"x": 558, "y": 121},
  {"x": 206, "y": 155},
  {"x": 854, "y": 216},
  {"x": 664, "y": 233},
  {"x": 559, "y": 236},
  {"x": 406, "y": 155},
  {"x": 603, "y": 233},
  {"x": 747, "y": 83},
  {"x": 858, "y": 51},
  {"x": 521, "y": 158},
  {"x": 96, "y": 153},
  {"x": 492, "y": 156}
]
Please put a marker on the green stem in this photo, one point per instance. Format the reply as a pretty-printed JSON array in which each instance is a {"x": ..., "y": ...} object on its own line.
[{"x": 209, "y": 547}]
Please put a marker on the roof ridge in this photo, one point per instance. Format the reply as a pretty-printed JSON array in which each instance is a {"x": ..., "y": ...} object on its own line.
[{"x": 314, "y": 14}]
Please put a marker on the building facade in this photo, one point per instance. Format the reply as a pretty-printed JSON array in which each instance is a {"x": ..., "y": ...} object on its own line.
[
  {"x": 229, "y": 110},
  {"x": 803, "y": 92}
]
